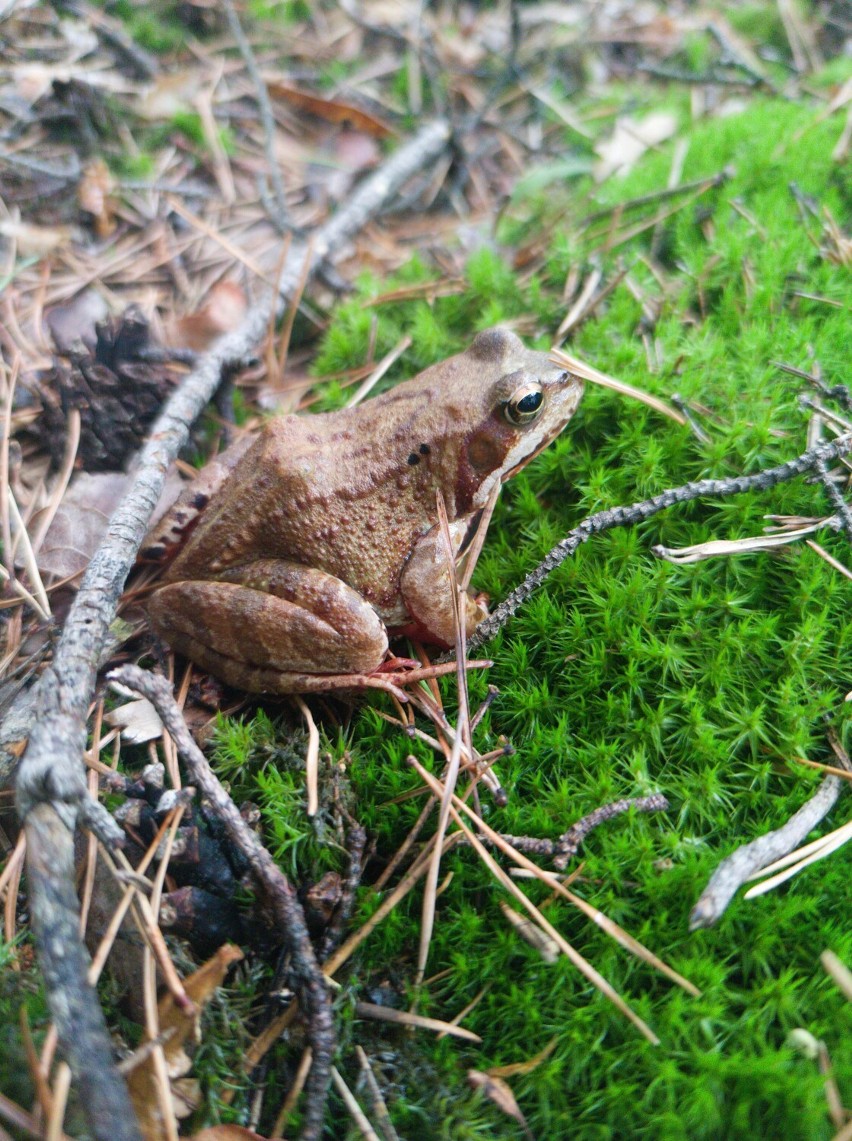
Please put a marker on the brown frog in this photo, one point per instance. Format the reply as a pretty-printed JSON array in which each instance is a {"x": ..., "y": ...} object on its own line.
[{"x": 324, "y": 539}]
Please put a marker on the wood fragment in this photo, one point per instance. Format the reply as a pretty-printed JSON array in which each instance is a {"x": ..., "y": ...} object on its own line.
[{"x": 733, "y": 872}]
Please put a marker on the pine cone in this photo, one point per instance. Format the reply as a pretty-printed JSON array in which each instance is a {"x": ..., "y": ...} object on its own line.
[{"x": 117, "y": 394}]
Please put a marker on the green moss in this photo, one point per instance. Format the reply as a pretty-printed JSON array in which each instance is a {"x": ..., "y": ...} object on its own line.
[
  {"x": 155, "y": 27},
  {"x": 626, "y": 675}
]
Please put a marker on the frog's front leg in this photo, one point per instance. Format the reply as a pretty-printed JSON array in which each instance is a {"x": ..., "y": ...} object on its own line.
[
  {"x": 426, "y": 586},
  {"x": 271, "y": 626}
]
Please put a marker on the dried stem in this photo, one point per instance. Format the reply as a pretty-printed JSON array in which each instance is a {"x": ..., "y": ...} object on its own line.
[{"x": 267, "y": 119}]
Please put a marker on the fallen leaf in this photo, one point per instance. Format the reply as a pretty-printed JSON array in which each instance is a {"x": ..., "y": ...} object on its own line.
[
  {"x": 178, "y": 1028},
  {"x": 629, "y": 141},
  {"x": 496, "y": 1090},
  {"x": 82, "y": 517},
  {"x": 94, "y": 195},
  {"x": 331, "y": 110},
  {"x": 138, "y": 721},
  {"x": 514, "y": 1069},
  {"x": 80, "y": 522},
  {"x": 222, "y": 311}
]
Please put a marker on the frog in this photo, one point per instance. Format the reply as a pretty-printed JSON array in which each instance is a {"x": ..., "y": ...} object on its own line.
[{"x": 309, "y": 549}]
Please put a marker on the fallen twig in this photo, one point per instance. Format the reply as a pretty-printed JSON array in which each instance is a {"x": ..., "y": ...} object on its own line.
[
  {"x": 821, "y": 453},
  {"x": 733, "y": 872},
  {"x": 313, "y": 995},
  {"x": 50, "y": 775},
  {"x": 563, "y": 850},
  {"x": 282, "y": 220}
]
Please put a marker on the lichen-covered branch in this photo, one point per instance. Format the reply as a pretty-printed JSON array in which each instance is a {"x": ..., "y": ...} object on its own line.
[
  {"x": 312, "y": 990},
  {"x": 51, "y": 770},
  {"x": 819, "y": 455}
]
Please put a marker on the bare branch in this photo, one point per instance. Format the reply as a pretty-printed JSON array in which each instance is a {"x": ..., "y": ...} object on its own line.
[
  {"x": 313, "y": 995},
  {"x": 819, "y": 454},
  {"x": 733, "y": 872},
  {"x": 51, "y": 770}
]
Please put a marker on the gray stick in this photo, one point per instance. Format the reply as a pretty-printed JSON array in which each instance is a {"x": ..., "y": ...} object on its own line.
[
  {"x": 733, "y": 872},
  {"x": 51, "y": 773}
]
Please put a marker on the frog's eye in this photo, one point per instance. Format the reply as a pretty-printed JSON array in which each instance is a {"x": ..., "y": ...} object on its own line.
[{"x": 524, "y": 405}]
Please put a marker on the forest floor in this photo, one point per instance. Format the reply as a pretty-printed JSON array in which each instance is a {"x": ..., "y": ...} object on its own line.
[{"x": 659, "y": 189}]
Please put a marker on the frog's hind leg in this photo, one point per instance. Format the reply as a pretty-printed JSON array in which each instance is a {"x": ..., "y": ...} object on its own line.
[{"x": 271, "y": 626}]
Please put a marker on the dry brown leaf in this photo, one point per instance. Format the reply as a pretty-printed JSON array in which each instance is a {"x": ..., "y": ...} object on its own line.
[
  {"x": 138, "y": 721},
  {"x": 222, "y": 311},
  {"x": 331, "y": 110},
  {"x": 177, "y": 1028},
  {"x": 80, "y": 522},
  {"x": 629, "y": 141},
  {"x": 496, "y": 1090},
  {"x": 94, "y": 195},
  {"x": 82, "y": 517},
  {"x": 171, "y": 93}
]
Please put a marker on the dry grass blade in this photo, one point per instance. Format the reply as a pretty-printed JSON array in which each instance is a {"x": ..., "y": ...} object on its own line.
[
  {"x": 351, "y": 1102},
  {"x": 844, "y": 774},
  {"x": 579, "y": 961},
  {"x": 715, "y": 548},
  {"x": 531, "y": 933},
  {"x": 457, "y": 1019},
  {"x": 26, "y": 1122},
  {"x": 414, "y": 874},
  {"x": 415, "y": 1021},
  {"x": 311, "y": 758},
  {"x": 594, "y": 376},
  {"x": 61, "y": 1089},
  {"x": 14, "y": 863},
  {"x": 838, "y": 971},
  {"x": 604, "y": 922},
  {"x": 293, "y": 1093},
  {"x": 830, "y": 559},
  {"x": 379, "y": 1107},
  {"x": 61, "y": 486},
  {"x": 172, "y": 821},
  {"x": 366, "y": 386},
  {"x": 454, "y": 760},
  {"x": 801, "y": 859},
  {"x": 39, "y": 601}
]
